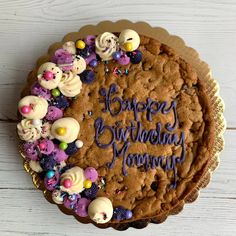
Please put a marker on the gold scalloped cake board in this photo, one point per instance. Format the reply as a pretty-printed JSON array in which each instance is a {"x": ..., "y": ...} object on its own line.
[{"x": 204, "y": 73}]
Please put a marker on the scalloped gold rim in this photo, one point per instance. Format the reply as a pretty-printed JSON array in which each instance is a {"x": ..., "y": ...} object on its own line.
[{"x": 204, "y": 73}]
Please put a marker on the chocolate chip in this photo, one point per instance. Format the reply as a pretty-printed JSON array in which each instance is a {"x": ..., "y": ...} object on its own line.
[{"x": 154, "y": 186}]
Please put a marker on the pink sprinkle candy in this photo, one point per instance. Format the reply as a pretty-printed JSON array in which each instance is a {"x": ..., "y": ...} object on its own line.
[
  {"x": 48, "y": 75},
  {"x": 25, "y": 109},
  {"x": 42, "y": 145},
  {"x": 67, "y": 183}
]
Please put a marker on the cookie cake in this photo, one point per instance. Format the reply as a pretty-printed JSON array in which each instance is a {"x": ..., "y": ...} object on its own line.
[{"x": 117, "y": 128}]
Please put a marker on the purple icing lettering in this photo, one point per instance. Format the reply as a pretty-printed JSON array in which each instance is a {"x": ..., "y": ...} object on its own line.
[
  {"x": 99, "y": 130},
  {"x": 135, "y": 132},
  {"x": 151, "y": 107},
  {"x": 118, "y": 153}
]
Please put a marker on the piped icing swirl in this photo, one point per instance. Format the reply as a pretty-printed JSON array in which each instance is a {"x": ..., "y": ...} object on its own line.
[
  {"x": 106, "y": 44},
  {"x": 76, "y": 176},
  {"x": 70, "y": 84},
  {"x": 69, "y": 47},
  {"x": 79, "y": 65},
  {"x": 27, "y": 131}
]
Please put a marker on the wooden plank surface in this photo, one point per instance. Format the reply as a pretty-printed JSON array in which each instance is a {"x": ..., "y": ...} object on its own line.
[{"x": 27, "y": 28}]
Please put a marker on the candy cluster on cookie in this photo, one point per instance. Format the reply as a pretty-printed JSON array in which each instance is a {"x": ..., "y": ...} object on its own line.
[{"x": 49, "y": 138}]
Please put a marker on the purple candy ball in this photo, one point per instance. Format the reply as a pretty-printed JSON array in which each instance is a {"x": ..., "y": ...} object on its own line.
[
  {"x": 91, "y": 192},
  {"x": 47, "y": 162},
  {"x": 91, "y": 174},
  {"x": 81, "y": 208},
  {"x": 128, "y": 214},
  {"x": 38, "y": 90},
  {"x": 60, "y": 102},
  {"x": 119, "y": 213},
  {"x": 30, "y": 150},
  {"x": 116, "y": 55},
  {"x": 87, "y": 76},
  {"x": 58, "y": 154},
  {"x": 135, "y": 56},
  {"x": 93, "y": 63},
  {"x": 54, "y": 113},
  {"x": 51, "y": 183},
  {"x": 46, "y": 146}
]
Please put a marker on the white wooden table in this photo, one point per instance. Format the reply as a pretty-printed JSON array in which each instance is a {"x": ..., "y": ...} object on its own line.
[{"x": 28, "y": 27}]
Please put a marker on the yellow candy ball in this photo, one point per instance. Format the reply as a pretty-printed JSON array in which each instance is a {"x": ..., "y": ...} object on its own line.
[
  {"x": 80, "y": 44},
  {"x": 61, "y": 131},
  {"x": 128, "y": 47},
  {"x": 87, "y": 183}
]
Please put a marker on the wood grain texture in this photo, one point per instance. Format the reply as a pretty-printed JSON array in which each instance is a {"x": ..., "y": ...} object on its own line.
[{"x": 27, "y": 28}]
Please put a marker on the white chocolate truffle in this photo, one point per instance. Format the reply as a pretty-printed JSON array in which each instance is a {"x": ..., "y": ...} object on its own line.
[
  {"x": 100, "y": 210},
  {"x": 129, "y": 36}
]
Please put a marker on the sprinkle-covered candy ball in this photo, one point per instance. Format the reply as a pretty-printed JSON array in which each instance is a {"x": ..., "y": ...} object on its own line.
[
  {"x": 54, "y": 113},
  {"x": 91, "y": 174},
  {"x": 47, "y": 162},
  {"x": 71, "y": 200},
  {"x": 40, "y": 91},
  {"x": 91, "y": 192},
  {"x": 71, "y": 149},
  {"x": 81, "y": 208},
  {"x": 135, "y": 56},
  {"x": 87, "y": 77},
  {"x": 30, "y": 150},
  {"x": 46, "y": 146},
  {"x": 58, "y": 154},
  {"x": 61, "y": 102}
]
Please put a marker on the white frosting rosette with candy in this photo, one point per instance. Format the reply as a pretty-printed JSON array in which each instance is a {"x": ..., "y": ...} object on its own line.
[
  {"x": 72, "y": 181},
  {"x": 106, "y": 44}
]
